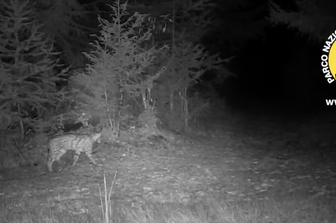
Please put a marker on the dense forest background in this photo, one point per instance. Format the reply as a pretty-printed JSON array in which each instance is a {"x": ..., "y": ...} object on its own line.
[{"x": 117, "y": 65}]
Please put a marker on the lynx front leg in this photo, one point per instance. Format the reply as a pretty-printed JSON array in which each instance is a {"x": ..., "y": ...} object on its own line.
[{"x": 76, "y": 156}]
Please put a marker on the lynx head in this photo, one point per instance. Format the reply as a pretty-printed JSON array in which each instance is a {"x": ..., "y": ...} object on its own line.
[{"x": 96, "y": 137}]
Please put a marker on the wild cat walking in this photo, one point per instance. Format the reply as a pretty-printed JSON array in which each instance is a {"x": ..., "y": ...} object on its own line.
[{"x": 79, "y": 143}]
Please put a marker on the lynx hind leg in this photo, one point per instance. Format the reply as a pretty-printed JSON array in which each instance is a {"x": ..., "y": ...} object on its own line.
[
  {"x": 49, "y": 164},
  {"x": 51, "y": 161},
  {"x": 54, "y": 157}
]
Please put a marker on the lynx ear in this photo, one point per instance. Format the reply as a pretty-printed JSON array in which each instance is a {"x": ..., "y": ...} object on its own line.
[{"x": 97, "y": 136}]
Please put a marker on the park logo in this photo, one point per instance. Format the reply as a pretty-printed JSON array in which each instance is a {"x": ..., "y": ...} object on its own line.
[{"x": 328, "y": 58}]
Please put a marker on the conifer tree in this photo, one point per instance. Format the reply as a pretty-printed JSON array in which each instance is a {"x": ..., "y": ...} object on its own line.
[
  {"x": 118, "y": 67},
  {"x": 27, "y": 77},
  {"x": 313, "y": 18}
]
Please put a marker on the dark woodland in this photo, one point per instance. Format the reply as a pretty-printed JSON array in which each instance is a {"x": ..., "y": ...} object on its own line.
[{"x": 172, "y": 111}]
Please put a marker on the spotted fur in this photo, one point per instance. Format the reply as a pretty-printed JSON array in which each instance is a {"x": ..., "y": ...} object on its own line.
[{"x": 79, "y": 143}]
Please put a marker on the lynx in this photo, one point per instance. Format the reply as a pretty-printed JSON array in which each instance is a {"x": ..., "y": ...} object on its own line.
[{"x": 79, "y": 143}]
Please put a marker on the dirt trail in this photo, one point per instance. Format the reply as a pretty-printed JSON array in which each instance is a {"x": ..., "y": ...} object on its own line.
[{"x": 237, "y": 159}]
